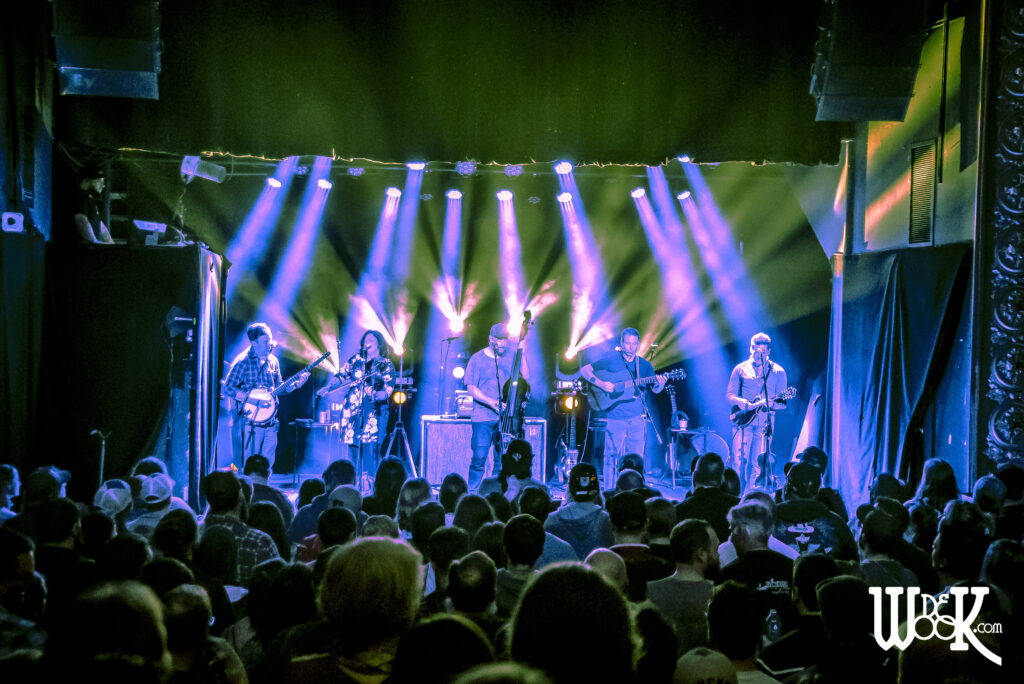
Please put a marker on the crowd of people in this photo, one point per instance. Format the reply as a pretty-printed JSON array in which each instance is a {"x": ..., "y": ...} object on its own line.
[{"x": 501, "y": 583}]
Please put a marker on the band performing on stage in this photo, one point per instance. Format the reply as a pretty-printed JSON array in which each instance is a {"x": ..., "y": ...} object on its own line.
[{"x": 616, "y": 386}]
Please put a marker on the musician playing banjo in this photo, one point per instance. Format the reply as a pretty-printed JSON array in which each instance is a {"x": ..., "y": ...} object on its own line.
[
  {"x": 486, "y": 374},
  {"x": 256, "y": 369},
  {"x": 749, "y": 384},
  {"x": 623, "y": 377}
]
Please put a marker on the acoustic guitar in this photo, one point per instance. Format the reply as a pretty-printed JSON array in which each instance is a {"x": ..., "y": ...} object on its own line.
[
  {"x": 742, "y": 417},
  {"x": 625, "y": 390}
]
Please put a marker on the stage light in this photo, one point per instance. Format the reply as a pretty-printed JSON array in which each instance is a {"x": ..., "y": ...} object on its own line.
[
  {"x": 570, "y": 353},
  {"x": 638, "y": 193},
  {"x": 570, "y": 402},
  {"x": 458, "y": 372},
  {"x": 456, "y": 325},
  {"x": 393, "y": 192},
  {"x": 356, "y": 171},
  {"x": 273, "y": 182},
  {"x": 465, "y": 168},
  {"x": 399, "y": 397},
  {"x": 684, "y": 158},
  {"x": 685, "y": 194},
  {"x": 398, "y": 349},
  {"x": 565, "y": 197},
  {"x": 505, "y": 195},
  {"x": 416, "y": 166},
  {"x": 513, "y": 169},
  {"x": 194, "y": 166},
  {"x": 323, "y": 184},
  {"x": 563, "y": 168},
  {"x": 453, "y": 195}
]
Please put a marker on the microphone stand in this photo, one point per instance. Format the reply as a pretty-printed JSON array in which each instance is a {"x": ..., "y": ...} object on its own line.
[
  {"x": 103, "y": 450},
  {"x": 768, "y": 467}
]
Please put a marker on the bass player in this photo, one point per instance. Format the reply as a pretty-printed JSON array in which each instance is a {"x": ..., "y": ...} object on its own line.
[
  {"x": 486, "y": 374},
  {"x": 749, "y": 384},
  {"x": 255, "y": 368},
  {"x": 625, "y": 411}
]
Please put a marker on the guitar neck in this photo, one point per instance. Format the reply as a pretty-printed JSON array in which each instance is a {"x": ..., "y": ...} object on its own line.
[{"x": 280, "y": 388}]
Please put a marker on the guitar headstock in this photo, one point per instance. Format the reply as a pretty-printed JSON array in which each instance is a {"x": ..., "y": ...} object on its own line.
[{"x": 787, "y": 393}]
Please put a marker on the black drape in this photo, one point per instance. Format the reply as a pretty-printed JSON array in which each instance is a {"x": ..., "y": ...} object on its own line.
[
  {"x": 899, "y": 310},
  {"x": 22, "y": 258}
]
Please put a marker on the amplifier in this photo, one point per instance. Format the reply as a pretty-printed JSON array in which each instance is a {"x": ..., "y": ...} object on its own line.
[{"x": 447, "y": 447}]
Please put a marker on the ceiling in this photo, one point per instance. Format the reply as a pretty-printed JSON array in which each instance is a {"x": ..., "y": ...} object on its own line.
[{"x": 594, "y": 81}]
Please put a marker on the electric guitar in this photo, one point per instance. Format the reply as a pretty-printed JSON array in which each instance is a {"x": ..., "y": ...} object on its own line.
[
  {"x": 570, "y": 454},
  {"x": 625, "y": 390},
  {"x": 514, "y": 396},
  {"x": 261, "y": 404},
  {"x": 742, "y": 417}
]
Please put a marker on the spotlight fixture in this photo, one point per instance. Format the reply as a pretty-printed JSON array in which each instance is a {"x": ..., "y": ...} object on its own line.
[
  {"x": 356, "y": 171},
  {"x": 563, "y": 168},
  {"x": 685, "y": 194},
  {"x": 465, "y": 168},
  {"x": 570, "y": 402},
  {"x": 565, "y": 197},
  {"x": 458, "y": 372},
  {"x": 393, "y": 192},
  {"x": 399, "y": 397},
  {"x": 684, "y": 158},
  {"x": 505, "y": 195},
  {"x": 456, "y": 325},
  {"x": 323, "y": 184},
  {"x": 273, "y": 182},
  {"x": 194, "y": 166},
  {"x": 533, "y": 199},
  {"x": 638, "y": 193},
  {"x": 416, "y": 166},
  {"x": 453, "y": 195},
  {"x": 426, "y": 196},
  {"x": 513, "y": 169}
]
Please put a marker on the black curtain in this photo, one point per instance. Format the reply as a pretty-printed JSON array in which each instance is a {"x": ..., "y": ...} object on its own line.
[
  {"x": 900, "y": 312},
  {"x": 22, "y": 259}
]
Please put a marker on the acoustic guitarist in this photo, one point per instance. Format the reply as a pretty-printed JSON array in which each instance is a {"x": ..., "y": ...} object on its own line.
[
  {"x": 255, "y": 368},
  {"x": 760, "y": 384},
  {"x": 618, "y": 382},
  {"x": 486, "y": 374}
]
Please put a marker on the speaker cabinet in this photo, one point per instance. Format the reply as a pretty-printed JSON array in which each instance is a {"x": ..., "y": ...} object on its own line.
[
  {"x": 447, "y": 447},
  {"x": 316, "y": 446}
]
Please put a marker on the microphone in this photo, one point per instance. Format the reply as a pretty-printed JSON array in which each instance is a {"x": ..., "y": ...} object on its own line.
[
  {"x": 94, "y": 433},
  {"x": 449, "y": 339},
  {"x": 654, "y": 345}
]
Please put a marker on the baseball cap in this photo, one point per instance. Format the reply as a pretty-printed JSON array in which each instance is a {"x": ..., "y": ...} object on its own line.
[
  {"x": 156, "y": 488},
  {"x": 804, "y": 475},
  {"x": 627, "y": 511},
  {"x": 814, "y": 456},
  {"x": 43, "y": 483},
  {"x": 499, "y": 331},
  {"x": 345, "y": 496},
  {"x": 583, "y": 480},
  {"x": 113, "y": 497}
]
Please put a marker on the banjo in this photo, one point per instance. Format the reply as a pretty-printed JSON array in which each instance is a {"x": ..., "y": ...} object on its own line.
[{"x": 261, "y": 404}]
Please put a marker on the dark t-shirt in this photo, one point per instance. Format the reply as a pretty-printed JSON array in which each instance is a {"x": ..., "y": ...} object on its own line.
[
  {"x": 613, "y": 368},
  {"x": 770, "y": 574}
]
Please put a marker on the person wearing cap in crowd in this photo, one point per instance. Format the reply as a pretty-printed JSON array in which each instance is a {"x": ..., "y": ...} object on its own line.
[
  {"x": 829, "y": 496},
  {"x": 257, "y": 467},
  {"x": 626, "y": 414},
  {"x": 41, "y": 485},
  {"x": 10, "y": 485},
  {"x": 151, "y": 465},
  {"x": 114, "y": 500},
  {"x": 156, "y": 493},
  {"x": 517, "y": 469},
  {"x": 581, "y": 521},
  {"x": 708, "y": 501},
  {"x": 486, "y": 374},
  {"x": 337, "y": 473},
  {"x": 223, "y": 492},
  {"x": 257, "y": 367},
  {"x": 369, "y": 375},
  {"x": 752, "y": 384},
  {"x": 628, "y": 517},
  {"x": 806, "y": 524},
  {"x": 704, "y": 666}
]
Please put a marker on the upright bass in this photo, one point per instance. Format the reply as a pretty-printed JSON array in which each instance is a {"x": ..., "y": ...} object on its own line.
[{"x": 514, "y": 395}]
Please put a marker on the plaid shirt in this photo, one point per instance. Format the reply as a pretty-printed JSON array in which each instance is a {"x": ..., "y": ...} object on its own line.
[
  {"x": 246, "y": 374},
  {"x": 254, "y": 546}
]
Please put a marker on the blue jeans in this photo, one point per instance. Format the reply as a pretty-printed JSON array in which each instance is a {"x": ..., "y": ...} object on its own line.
[
  {"x": 247, "y": 439},
  {"x": 483, "y": 437},
  {"x": 623, "y": 436}
]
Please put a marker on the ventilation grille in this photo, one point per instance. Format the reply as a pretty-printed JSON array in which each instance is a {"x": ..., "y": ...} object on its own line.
[{"x": 922, "y": 192}]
